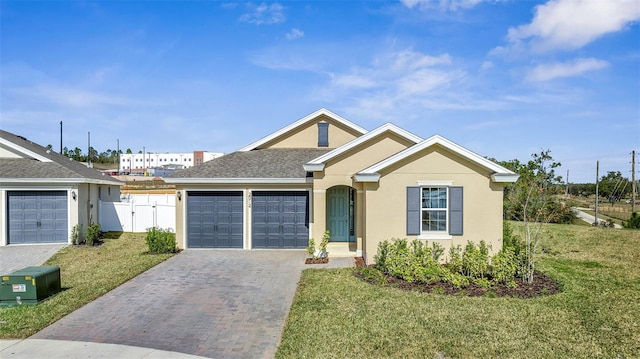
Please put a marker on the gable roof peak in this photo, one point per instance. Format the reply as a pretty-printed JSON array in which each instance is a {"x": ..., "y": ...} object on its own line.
[
  {"x": 300, "y": 122},
  {"x": 39, "y": 163},
  {"x": 317, "y": 164},
  {"x": 499, "y": 173}
]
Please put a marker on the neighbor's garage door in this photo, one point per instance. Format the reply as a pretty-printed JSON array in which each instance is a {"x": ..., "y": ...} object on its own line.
[
  {"x": 214, "y": 219},
  {"x": 37, "y": 217},
  {"x": 280, "y": 219}
]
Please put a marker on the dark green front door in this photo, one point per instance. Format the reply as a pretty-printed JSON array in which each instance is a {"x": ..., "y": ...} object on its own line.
[{"x": 340, "y": 214}]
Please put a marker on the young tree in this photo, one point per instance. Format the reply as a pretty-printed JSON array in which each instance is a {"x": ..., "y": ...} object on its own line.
[
  {"x": 77, "y": 154},
  {"x": 531, "y": 201}
]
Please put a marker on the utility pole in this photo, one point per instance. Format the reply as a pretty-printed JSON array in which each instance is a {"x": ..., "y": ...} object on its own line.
[
  {"x": 60, "y": 137},
  {"x": 118, "y": 154},
  {"x": 566, "y": 194},
  {"x": 633, "y": 181},
  {"x": 89, "y": 149},
  {"x": 144, "y": 164},
  {"x": 597, "y": 169}
]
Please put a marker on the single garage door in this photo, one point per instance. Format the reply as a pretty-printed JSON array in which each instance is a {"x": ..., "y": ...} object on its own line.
[
  {"x": 37, "y": 217},
  {"x": 280, "y": 219},
  {"x": 214, "y": 219}
]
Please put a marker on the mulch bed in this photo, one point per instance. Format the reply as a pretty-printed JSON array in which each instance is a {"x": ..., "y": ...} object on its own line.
[
  {"x": 316, "y": 260},
  {"x": 542, "y": 285}
]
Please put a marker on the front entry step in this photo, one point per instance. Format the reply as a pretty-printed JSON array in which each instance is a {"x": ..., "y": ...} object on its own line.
[{"x": 341, "y": 249}]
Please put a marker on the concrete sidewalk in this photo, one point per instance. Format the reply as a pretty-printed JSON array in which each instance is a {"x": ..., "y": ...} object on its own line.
[
  {"x": 589, "y": 218},
  {"x": 64, "y": 349},
  {"x": 18, "y": 256}
]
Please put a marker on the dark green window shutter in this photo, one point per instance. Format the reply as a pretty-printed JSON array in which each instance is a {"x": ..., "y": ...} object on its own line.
[
  {"x": 455, "y": 211},
  {"x": 323, "y": 134},
  {"x": 413, "y": 210}
]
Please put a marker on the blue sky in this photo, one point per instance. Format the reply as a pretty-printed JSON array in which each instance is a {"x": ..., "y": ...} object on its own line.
[{"x": 502, "y": 78}]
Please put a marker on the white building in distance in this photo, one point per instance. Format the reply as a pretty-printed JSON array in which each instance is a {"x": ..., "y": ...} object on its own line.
[{"x": 138, "y": 162}]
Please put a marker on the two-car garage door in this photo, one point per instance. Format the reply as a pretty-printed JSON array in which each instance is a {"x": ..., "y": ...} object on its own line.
[{"x": 279, "y": 219}]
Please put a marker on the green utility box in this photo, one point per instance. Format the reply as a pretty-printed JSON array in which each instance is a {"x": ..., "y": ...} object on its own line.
[{"x": 29, "y": 286}]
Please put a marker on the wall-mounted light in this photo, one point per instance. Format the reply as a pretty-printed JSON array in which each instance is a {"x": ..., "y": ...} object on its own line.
[
  {"x": 179, "y": 196},
  {"x": 73, "y": 195}
]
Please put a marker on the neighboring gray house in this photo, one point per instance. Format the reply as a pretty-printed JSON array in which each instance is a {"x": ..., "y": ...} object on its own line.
[{"x": 44, "y": 194}]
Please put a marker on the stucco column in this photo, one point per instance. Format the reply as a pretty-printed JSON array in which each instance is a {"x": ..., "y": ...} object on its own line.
[
  {"x": 360, "y": 225},
  {"x": 319, "y": 216},
  {"x": 180, "y": 225}
]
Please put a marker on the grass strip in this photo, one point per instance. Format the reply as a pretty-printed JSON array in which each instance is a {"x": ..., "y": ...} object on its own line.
[
  {"x": 86, "y": 274},
  {"x": 335, "y": 315}
]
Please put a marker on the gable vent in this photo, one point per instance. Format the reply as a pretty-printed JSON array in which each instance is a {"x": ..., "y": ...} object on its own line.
[{"x": 323, "y": 134}]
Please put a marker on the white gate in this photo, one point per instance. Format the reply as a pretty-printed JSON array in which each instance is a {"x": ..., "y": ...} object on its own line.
[{"x": 136, "y": 217}]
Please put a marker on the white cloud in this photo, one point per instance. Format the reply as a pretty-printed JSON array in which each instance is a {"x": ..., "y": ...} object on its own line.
[
  {"x": 294, "y": 34},
  {"x": 452, "y": 5},
  {"x": 486, "y": 65},
  {"x": 546, "y": 72},
  {"x": 264, "y": 14},
  {"x": 424, "y": 81},
  {"x": 411, "y": 60},
  {"x": 69, "y": 97},
  {"x": 352, "y": 81},
  {"x": 571, "y": 24},
  {"x": 399, "y": 79},
  {"x": 402, "y": 72}
]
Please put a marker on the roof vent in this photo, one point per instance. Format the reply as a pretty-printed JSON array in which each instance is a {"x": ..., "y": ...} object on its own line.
[{"x": 323, "y": 134}]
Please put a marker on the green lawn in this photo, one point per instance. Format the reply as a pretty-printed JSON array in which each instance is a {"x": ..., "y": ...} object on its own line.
[
  {"x": 86, "y": 274},
  {"x": 335, "y": 315}
]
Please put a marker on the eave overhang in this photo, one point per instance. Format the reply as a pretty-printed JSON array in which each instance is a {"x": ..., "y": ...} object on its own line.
[{"x": 238, "y": 180}]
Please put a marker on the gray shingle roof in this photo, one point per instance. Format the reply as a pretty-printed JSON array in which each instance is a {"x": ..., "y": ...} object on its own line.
[
  {"x": 267, "y": 163},
  {"x": 60, "y": 167}
]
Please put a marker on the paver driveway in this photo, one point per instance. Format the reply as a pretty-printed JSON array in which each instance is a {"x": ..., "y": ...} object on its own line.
[{"x": 212, "y": 303}]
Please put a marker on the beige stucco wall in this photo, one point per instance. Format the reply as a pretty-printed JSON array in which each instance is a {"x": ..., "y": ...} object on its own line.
[
  {"x": 385, "y": 212},
  {"x": 85, "y": 210},
  {"x": 339, "y": 171},
  {"x": 306, "y": 136}
]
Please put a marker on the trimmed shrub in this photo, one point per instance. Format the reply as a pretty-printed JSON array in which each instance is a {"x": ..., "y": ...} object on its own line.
[
  {"x": 516, "y": 244},
  {"x": 311, "y": 247},
  {"x": 74, "y": 234},
  {"x": 93, "y": 234},
  {"x": 418, "y": 262},
  {"x": 325, "y": 240},
  {"x": 381, "y": 256},
  {"x": 413, "y": 262},
  {"x": 475, "y": 260},
  {"x": 161, "y": 240},
  {"x": 436, "y": 251},
  {"x": 455, "y": 259},
  {"x": 458, "y": 280},
  {"x": 504, "y": 266}
]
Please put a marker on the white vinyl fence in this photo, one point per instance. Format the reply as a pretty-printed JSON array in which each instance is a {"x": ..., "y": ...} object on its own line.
[{"x": 136, "y": 217}]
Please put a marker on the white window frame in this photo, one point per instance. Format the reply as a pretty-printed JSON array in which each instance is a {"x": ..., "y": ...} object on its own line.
[{"x": 434, "y": 235}]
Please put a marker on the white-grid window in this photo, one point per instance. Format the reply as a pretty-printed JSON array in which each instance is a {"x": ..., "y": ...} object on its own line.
[{"x": 434, "y": 209}]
